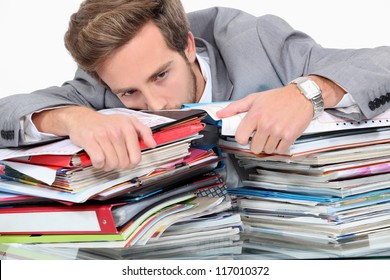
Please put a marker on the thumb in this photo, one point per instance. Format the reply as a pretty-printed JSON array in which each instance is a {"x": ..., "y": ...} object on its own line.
[{"x": 235, "y": 108}]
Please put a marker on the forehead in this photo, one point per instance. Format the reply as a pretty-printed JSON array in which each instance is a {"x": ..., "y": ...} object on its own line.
[{"x": 138, "y": 59}]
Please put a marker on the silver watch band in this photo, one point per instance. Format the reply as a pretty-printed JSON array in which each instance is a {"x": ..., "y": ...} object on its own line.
[
  {"x": 312, "y": 92},
  {"x": 318, "y": 105}
]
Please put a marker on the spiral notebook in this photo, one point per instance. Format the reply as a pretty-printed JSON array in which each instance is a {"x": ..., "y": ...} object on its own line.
[{"x": 327, "y": 122}]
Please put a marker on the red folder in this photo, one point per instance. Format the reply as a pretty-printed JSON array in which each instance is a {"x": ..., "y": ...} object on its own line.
[
  {"x": 78, "y": 160},
  {"x": 175, "y": 133},
  {"x": 75, "y": 219}
]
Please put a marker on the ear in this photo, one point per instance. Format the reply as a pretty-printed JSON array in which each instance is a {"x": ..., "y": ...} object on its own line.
[{"x": 190, "y": 51}]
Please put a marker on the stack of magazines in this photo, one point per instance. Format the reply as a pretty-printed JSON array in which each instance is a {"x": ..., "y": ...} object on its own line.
[
  {"x": 327, "y": 197},
  {"x": 55, "y": 205}
]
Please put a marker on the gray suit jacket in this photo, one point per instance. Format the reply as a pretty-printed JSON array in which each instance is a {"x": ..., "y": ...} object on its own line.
[{"x": 247, "y": 54}]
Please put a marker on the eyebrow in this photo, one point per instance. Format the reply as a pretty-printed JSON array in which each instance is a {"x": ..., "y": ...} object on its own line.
[{"x": 151, "y": 77}]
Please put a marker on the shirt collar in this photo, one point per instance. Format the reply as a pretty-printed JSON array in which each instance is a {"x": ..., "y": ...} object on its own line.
[{"x": 203, "y": 61}]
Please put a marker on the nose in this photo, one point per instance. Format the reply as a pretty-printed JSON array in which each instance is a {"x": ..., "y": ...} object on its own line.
[{"x": 154, "y": 101}]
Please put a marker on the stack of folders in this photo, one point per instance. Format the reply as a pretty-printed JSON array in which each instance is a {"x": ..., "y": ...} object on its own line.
[
  {"x": 327, "y": 197},
  {"x": 55, "y": 205}
]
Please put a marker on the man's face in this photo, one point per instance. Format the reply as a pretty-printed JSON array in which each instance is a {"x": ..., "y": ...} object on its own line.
[{"x": 146, "y": 74}]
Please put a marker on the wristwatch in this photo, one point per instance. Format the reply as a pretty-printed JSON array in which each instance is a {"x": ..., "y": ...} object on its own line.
[{"x": 312, "y": 92}]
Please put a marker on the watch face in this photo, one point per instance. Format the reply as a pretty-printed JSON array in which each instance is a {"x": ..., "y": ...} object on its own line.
[
  {"x": 312, "y": 92},
  {"x": 310, "y": 89}
]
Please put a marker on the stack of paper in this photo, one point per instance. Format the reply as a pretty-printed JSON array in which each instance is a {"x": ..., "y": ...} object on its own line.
[
  {"x": 203, "y": 237},
  {"x": 198, "y": 238},
  {"x": 52, "y": 197},
  {"x": 303, "y": 208},
  {"x": 328, "y": 196},
  {"x": 186, "y": 226}
]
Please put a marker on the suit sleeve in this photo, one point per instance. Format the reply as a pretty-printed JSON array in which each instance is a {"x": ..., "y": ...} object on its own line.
[
  {"x": 83, "y": 90},
  {"x": 265, "y": 52},
  {"x": 364, "y": 73}
]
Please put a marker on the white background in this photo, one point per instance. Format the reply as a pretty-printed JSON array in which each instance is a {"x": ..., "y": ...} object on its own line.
[{"x": 32, "y": 54}]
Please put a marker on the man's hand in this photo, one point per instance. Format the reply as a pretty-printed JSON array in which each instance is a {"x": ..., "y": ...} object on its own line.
[
  {"x": 276, "y": 118},
  {"x": 111, "y": 141}
]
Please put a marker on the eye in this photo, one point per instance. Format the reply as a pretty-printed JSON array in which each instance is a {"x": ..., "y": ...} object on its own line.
[
  {"x": 129, "y": 92},
  {"x": 162, "y": 75}
]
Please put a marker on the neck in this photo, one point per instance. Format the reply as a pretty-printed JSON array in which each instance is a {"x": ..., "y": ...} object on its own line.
[{"x": 200, "y": 82}]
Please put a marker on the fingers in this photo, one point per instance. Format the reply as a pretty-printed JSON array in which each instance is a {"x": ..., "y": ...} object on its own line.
[
  {"x": 267, "y": 136},
  {"x": 274, "y": 120},
  {"x": 246, "y": 129},
  {"x": 235, "y": 107},
  {"x": 117, "y": 152},
  {"x": 262, "y": 139},
  {"x": 269, "y": 144},
  {"x": 122, "y": 149},
  {"x": 264, "y": 143},
  {"x": 96, "y": 154},
  {"x": 109, "y": 150},
  {"x": 144, "y": 133},
  {"x": 113, "y": 142},
  {"x": 131, "y": 143}
]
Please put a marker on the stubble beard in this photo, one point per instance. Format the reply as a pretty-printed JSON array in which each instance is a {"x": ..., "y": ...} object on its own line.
[{"x": 192, "y": 83}]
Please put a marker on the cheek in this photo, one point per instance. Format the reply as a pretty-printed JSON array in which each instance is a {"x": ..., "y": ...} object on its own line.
[
  {"x": 179, "y": 93},
  {"x": 180, "y": 88}
]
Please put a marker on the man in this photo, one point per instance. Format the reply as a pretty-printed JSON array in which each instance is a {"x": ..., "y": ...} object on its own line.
[{"x": 143, "y": 54}]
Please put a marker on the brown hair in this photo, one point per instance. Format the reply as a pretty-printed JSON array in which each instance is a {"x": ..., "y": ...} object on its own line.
[{"x": 100, "y": 27}]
